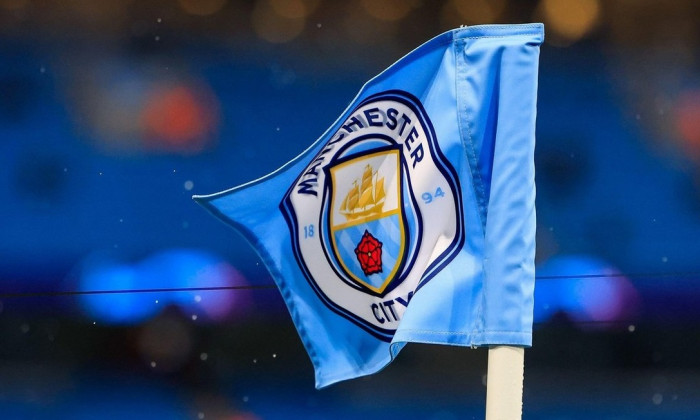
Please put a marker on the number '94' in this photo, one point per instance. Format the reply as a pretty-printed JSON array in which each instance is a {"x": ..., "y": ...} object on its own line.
[{"x": 428, "y": 197}]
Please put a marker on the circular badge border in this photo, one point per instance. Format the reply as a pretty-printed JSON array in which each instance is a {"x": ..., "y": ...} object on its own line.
[{"x": 442, "y": 164}]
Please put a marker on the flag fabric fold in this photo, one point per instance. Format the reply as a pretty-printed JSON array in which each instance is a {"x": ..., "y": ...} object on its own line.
[{"x": 412, "y": 218}]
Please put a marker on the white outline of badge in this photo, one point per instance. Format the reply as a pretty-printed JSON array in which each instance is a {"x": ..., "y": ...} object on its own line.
[{"x": 348, "y": 300}]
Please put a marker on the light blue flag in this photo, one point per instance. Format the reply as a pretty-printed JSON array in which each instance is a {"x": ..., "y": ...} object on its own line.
[{"x": 412, "y": 219}]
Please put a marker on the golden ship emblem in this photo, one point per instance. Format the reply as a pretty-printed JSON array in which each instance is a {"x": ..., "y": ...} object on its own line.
[{"x": 366, "y": 196}]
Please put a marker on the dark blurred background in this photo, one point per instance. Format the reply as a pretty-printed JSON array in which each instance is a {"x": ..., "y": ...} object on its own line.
[{"x": 114, "y": 112}]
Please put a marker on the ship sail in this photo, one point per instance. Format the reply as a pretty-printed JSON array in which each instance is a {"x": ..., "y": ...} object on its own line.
[
  {"x": 365, "y": 197},
  {"x": 367, "y": 179},
  {"x": 353, "y": 197},
  {"x": 379, "y": 188}
]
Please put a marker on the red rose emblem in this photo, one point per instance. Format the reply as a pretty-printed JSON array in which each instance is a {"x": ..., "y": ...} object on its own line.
[{"x": 369, "y": 254}]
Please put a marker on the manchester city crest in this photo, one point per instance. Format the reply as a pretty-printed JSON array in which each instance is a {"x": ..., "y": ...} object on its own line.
[{"x": 376, "y": 213}]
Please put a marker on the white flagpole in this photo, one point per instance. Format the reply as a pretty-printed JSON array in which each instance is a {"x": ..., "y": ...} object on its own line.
[{"x": 504, "y": 383}]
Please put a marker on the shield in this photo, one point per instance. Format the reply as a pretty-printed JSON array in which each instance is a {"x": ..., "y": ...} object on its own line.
[{"x": 367, "y": 227}]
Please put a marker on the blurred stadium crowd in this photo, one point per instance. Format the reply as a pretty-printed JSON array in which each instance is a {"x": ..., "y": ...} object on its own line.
[{"x": 114, "y": 112}]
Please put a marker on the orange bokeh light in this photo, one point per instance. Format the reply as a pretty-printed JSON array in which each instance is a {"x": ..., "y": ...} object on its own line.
[
  {"x": 178, "y": 118},
  {"x": 687, "y": 121}
]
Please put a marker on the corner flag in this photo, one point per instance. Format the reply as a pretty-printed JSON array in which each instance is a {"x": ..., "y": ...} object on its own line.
[{"x": 412, "y": 219}]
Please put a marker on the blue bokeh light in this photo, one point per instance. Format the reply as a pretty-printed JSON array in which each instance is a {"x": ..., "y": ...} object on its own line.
[
  {"x": 585, "y": 288},
  {"x": 169, "y": 269},
  {"x": 117, "y": 308}
]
